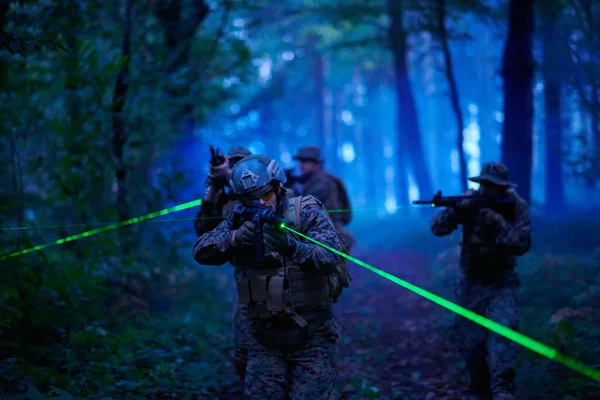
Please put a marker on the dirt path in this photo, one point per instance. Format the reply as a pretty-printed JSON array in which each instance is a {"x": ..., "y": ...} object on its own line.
[{"x": 393, "y": 346}]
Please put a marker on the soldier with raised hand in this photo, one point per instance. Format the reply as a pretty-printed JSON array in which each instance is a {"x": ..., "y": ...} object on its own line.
[
  {"x": 316, "y": 181},
  {"x": 487, "y": 283},
  {"x": 289, "y": 291},
  {"x": 217, "y": 203},
  {"x": 218, "y": 198}
]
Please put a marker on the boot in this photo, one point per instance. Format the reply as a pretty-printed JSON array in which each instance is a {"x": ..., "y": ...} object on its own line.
[
  {"x": 479, "y": 372},
  {"x": 503, "y": 396},
  {"x": 503, "y": 385}
]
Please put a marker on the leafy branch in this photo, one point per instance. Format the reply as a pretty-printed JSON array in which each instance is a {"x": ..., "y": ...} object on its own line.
[{"x": 25, "y": 46}]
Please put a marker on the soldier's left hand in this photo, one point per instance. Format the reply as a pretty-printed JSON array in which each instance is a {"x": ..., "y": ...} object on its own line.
[
  {"x": 277, "y": 239},
  {"x": 490, "y": 219}
]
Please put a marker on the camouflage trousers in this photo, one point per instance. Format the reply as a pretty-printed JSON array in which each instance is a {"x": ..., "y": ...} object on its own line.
[
  {"x": 303, "y": 374},
  {"x": 241, "y": 333},
  {"x": 497, "y": 302}
]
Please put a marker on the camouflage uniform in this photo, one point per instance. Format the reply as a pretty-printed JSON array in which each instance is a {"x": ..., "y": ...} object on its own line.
[
  {"x": 321, "y": 184},
  {"x": 218, "y": 202},
  {"x": 487, "y": 283},
  {"x": 293, "y": 351}
]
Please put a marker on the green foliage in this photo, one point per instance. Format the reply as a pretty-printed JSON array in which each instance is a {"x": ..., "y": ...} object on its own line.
[
  {"x": 566, "y": 320},
  {"x": 81, "y": 319},
  {"x": 25, "y": 46},
  {"x": 172, "y": 356}
]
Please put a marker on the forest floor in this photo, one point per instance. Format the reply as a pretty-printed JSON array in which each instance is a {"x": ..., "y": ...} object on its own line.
[{"x": 395, "y": 343}]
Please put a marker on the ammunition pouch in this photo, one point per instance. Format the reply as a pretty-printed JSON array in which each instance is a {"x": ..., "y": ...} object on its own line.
[
  {"x": 282, "y": 334},
  {"x": 269, "y": 293},
  {"x": 286, "y": 333}
]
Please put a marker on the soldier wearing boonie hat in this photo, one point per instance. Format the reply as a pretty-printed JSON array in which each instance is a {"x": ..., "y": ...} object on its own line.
[{"x": 487, "y": 283}]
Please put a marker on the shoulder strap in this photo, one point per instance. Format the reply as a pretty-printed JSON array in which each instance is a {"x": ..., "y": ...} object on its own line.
[
  {"x": 295, "y": 207},
  {"x": 297, "y": 211},
  {"x": 290, "y": 212}
]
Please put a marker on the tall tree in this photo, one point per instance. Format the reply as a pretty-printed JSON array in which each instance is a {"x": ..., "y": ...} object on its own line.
[
  {"x": 517, "y": 74},
  {"x": 119, "y": 130},
  {"x": 410, "y": 146},
  {"x": 552, "y": 68},
  {"x": 318, "y": 93},
  {"x": 442, "y": 34}
]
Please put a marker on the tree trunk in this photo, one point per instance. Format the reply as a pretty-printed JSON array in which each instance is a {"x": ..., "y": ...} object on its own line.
[
  {"x": 328, "y": 117},
  {"x": 119, "y": 137},
  {"x": 517, "y": 74},
  {"x": 4, "y": 7},
  {"x": 554, "y": 188},
  {"x": 180, "y": 29},
  {"x": 454, "y": 99},
  {"x": 336, "y": 129},
  {"x": 318, "y": 72},
  {"x": 410, "y": 147}
]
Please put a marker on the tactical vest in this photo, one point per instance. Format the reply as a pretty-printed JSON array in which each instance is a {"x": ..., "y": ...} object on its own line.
[{"x": 285, "y": 291}]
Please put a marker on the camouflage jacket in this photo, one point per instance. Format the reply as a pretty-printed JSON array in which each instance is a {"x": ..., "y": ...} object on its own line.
[
  {"x": 213, "y": 248},
  {"x": 489, "y": 248},
  {"x": 323, "y": 187}
]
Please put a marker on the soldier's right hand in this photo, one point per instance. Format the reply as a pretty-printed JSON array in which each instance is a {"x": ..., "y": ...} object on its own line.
[{"x": 244, "y": 236}]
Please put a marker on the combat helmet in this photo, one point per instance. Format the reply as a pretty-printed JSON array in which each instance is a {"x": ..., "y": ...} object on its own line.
[
  {"x": 238, "y": 152},
  {"x": 255, "y": 175}
]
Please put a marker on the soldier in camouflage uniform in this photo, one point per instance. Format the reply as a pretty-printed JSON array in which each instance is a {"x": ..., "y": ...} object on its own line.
[
  {"x": 318, "y": 182},
  {"x": 289, "y": 295},
  {"x": 218, "y": 202},
  {"x": 487, "y": 283}
]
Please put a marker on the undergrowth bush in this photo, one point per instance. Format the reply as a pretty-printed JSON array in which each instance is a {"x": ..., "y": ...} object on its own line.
[{"x": 68, "y": 331}]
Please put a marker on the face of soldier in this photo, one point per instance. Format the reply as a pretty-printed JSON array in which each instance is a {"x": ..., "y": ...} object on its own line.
[
  {"x": 491, "y": 189},
  {"x": 307, "y": 166},
  {"x": 269, "y": 200}
]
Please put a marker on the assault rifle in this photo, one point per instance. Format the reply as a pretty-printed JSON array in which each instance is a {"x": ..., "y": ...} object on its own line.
[
  {"x": 502, "y": 205},
  {"x": 259, "y": 215}
]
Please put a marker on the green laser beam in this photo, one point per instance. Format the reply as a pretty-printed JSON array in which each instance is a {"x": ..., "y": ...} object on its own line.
[
  {"x": 489, "y": 324},
  {"x": 99, "y": 224},
  {"x": 105, "y": 228},
  {"x": 508, "y": 333},
  {"x": 21, "y": 228}
]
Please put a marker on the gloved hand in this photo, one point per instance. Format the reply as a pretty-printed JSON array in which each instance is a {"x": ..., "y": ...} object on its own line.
[
  {"x": 244, "y": 236},
  {"x": 279, "y": 240},
  {"x": 488, "y": 223},
  {"x": 219, "y": 174}
]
